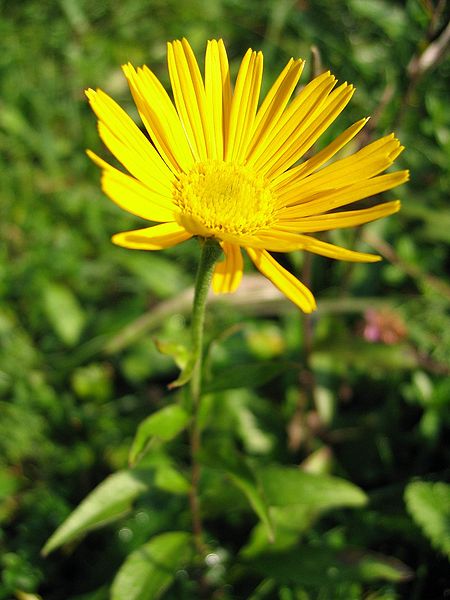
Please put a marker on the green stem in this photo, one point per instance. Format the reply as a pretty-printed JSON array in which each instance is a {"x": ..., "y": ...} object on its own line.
[{"x": 210, "y": 253}]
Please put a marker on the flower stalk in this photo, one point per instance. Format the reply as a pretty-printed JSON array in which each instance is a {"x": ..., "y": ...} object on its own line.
[{"x": 210, "y": 254}]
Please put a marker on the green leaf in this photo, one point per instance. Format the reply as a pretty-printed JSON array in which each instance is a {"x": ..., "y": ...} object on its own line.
[
  {"x": 64, "y": 312},
  {"x": 285, "y": 486},
  {"x": 246, "y": 375},
  {"x": 149, "y": 571},
  {"x": 295, "y": 499},
  {"x": 108, "y": 501},
  {"x": 179, "y": 352},
  {"x": 324, "y": 567},
  {"x": 169, "y": 479},
  {"x": 186, "y": 373},
  {"x": 240, "y": 473},
  {"x": 243, "y": 479},
  {"x": 429, "y": 506},
  {"x": 164, "y": 424}
]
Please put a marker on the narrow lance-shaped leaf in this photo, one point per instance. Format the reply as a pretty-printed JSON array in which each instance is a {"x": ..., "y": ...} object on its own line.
[
  {"x": 108, "y": 501},
  {"x": 164, "y": 424},
  {"x": 149, "y": 570},
  {"x": 285, "y": 486}
]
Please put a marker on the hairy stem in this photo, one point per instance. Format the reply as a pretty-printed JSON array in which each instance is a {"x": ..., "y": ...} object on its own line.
[{"x": 210, "y": 253}]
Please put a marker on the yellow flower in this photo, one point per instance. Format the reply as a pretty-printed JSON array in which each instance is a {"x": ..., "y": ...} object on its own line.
[{"x": 220, "y": 166}]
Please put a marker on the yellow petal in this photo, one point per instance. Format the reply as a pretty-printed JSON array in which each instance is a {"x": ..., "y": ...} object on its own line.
[
  {"x": 319, "y": 202},
  {"x": 316, "y": 161},
  {"x": 339, "y": 220},
  {"x": 294, "y": 119},
  {"x": 133, "y": 196},
  {"x": 128, "y": 144},
  {"x": 226, "y": 90},
  {"x": 160, "y": 118},
  {"x": 364, "y": 164},
  {"x": 289, "y": 285},
  {"x": 275, "y": 101},
  {"x": 214, "y": 98},
  {"x": 228, "y": 273},
  {"x": 218, "y": 96},
  {"x": 286, "y": 241},
  {"x": 309, "y": 132},
  {"x": 152, "y": 238},
  {"x": 243, "y": 106},
  {"x": 311, "y": 244},
  {"x": 189, "y": 96}
]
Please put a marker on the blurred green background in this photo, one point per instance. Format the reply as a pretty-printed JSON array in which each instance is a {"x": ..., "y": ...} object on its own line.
[{"x": 372, "y": 398}]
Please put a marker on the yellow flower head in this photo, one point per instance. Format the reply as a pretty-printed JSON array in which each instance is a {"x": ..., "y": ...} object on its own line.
[{"x": 223, "y": 166}]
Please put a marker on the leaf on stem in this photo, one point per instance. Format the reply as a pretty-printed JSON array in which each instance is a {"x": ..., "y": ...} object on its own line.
[
  {"x": 149, "y": 570},
  {"x": 164, "y": 424},
  {"x": 107, "y": 502}
]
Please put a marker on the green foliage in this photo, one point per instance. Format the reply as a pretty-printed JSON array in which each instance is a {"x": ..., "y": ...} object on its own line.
[
  {"x": 108, "y": 501},
  {"x": 429, "y": 506},
  {"x": 164, "y": 424},
  {"x": 245, "y": 375},
  {"x": 284, "y": 486},
  {"x": 311, "y": 428},
  {"x": 321, "y": 567},
  {"x": 150, "y": 569},
  {"x": 63, "y": 312}
]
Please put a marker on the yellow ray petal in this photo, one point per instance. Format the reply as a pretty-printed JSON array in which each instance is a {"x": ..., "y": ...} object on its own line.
[
  {"x": 128, "y": 144},
  {"x": 226, "y": 91},
  {"x": 160, "y": 118},
  {"x": 308, "y": 134},
  {"x": 136, "y": 164},
  {"x": 243, "y": 105},
  {"x": 336, "y": 252},
  {"x": 133, "y": 196},
  {"x": 294, "y": 119},
  {"x": 289, "y": 285},
  {"x": 275, "y": 101},
  {"x": 189, "y": 96},
  {"x": 364, "y": 164},
  {"x": 152, "y": 238},
  {"x": 214, "y": 98},
  {"x": 228, "y": 273},
  {"x": 320, "y": 202},
  {"x": 283, "y": 241},
  {"x": 218, "y": 96},
  {"x": 339, "y": 220},
  {"x": 316, "y": 161}
]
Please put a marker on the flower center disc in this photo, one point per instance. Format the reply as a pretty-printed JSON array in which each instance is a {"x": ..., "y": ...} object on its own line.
[{"x": 217, "y": 198}]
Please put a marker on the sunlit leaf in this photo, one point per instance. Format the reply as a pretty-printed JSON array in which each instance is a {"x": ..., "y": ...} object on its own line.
[
  {"x": 108, "y": 501},
  {"x": 243, "y": 480},
  {"x": 429, "y": 505},
  {"x": 284, "y": 486},
  {"x": 164, "y": 424},
  {"x": 149, "y": 571},
  {"x": 169, "y": 479}
]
